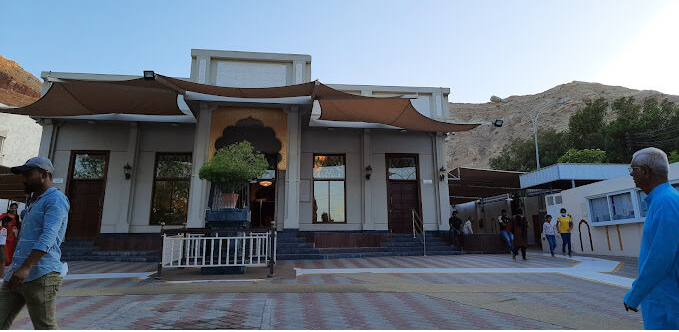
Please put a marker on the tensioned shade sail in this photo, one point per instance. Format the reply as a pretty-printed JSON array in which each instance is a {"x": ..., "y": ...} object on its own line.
[
  {"x": 159, "y": 97},
  {"x": 81, "y": 97},
  {"x": 11, "y": 185}
]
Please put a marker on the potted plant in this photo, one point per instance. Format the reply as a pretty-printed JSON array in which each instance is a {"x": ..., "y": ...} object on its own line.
[{"x": 232, "y": 168}]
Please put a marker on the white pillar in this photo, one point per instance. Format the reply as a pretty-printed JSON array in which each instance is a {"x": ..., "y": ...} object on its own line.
[
  {"x": 366, "y": 153},
  {"x": 127, "y": 187},
  {"x": 199, "y": 190},
  {"x": 46, "y": 138},
  {"x": 291, "y": 219}
]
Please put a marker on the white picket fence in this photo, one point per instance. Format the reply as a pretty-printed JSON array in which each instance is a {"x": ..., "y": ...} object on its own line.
[{"x": 198, "y": 250}]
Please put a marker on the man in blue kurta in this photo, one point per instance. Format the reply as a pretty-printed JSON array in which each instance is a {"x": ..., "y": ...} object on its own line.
[{"x": 656, "y": 288}]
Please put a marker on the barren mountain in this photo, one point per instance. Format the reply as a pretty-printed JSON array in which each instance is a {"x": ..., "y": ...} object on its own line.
[
  {"x": 475, "y": 148},
  {"x": 17, "y": 86}
]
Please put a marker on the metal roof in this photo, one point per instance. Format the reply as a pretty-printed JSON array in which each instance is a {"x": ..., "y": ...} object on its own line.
[
  {"x": 469, "y": 184},
  {"x": 565, "y": 176}
]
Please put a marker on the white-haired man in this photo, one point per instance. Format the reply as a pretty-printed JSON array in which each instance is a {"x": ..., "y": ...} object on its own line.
[{"x": 657, "y": 285}]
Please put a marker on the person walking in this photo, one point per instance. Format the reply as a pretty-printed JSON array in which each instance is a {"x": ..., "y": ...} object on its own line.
[
  {"x": 564, "y": 223},
  {"x": 36, "y": 272},
  {"x": 3, "y": 241},
  {"x": 508, "y": 237},
  {"x": 13, "y": 228},
  {"x": 520, "y": 231},
  {"x": 656, "y": 287},
  {"x": 549, "y": 233},
  {"x": 455, "y": 232}
]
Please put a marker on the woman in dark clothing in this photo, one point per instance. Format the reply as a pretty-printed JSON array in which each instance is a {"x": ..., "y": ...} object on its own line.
[{"x": 520, "y": 231}]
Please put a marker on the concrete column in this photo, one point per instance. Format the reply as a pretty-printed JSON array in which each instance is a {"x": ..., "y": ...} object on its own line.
[
  {"x": 46, "y": 138},
  {"x": 440, "y": 187},
  {"x": 291, "y": 219},
  {"x": 366, "y": 157},
  {"x": 199, "y": 190},
  {"x": 127, "y": 187},
  {"x": 298, "y": 72}
]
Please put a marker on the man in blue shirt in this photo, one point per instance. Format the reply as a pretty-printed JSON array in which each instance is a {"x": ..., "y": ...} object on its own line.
[
  {"x": 36, "y": 271},
  {"x": 657, "y": 286}
]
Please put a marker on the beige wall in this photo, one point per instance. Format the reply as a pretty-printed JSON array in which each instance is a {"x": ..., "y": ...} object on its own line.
[
  {"x": 381, "y": 142},
  {"x": 113, "y": 137}
]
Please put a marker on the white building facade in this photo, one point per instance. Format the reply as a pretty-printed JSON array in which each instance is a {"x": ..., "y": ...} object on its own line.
[{"x": 116, "y": 172}]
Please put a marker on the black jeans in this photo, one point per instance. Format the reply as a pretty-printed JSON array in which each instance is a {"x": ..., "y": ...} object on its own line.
[{"x": 523, "y": 251}]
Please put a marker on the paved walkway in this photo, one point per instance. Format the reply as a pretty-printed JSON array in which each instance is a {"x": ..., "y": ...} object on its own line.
[{"x": 438, "y": 292}]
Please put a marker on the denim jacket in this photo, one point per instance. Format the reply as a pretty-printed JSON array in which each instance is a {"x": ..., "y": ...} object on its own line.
[{"x": 43, "y": 228}]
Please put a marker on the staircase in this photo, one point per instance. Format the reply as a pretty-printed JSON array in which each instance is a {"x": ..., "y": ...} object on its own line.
[
  {"x": 291, "y": 247},
  {"x": 74, "y": 249}
]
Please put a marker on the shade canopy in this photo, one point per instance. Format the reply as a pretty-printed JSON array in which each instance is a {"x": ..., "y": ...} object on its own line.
[
  {"x": 159, "y": 96},
  {"x": 11, "y": 185},
  {"x": 85, "y": 97}
]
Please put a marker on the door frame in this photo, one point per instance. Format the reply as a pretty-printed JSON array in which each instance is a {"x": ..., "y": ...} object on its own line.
[
  {"x": 71, "y": 165},
  {"x": 417, "y": 182}
]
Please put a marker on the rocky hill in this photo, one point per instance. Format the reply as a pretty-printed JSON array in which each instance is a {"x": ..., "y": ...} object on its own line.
[
  {"x": 475, "y": 148},
  {"x": 17, "y": 86}
]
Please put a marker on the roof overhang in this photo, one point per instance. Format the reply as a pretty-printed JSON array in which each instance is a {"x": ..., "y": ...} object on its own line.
[
  {"x": 468, "y": 184},
  {"x": 11, "y": 186},
  {"x": 565, "y": 176},
  {"x": 163, "y": 99}
]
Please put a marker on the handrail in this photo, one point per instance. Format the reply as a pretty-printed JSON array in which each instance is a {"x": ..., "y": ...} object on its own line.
[{"x": 419, "y": 228}]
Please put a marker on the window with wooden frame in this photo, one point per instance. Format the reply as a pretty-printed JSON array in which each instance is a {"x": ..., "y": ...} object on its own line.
[
  {"x": 329, "y": 189},
  {"x": 171, "y": 180}
]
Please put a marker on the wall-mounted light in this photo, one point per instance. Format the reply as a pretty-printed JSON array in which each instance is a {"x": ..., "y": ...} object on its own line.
[
  {"x": 265, "y": 183},
  {"x": 128, "y": 171},
  {"x": 149, "y": 75},
  {"x": 368, "y": 172},
  {"x": 498, "y": 123},
  {"x": 442, "y": 173}
]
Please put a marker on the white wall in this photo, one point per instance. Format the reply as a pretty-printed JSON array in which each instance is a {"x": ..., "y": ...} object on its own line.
[
  {"x": 22, "y": 139},
  {"x": 615, "y": 233}
]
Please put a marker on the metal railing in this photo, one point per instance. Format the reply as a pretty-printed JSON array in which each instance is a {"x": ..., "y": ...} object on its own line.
[
  {"x": 198, "y": 248},
  {"x": 418, "y": 231}
]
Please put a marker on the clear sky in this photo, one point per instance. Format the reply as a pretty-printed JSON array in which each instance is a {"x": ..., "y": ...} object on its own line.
[{"x": 476, "y": 48}]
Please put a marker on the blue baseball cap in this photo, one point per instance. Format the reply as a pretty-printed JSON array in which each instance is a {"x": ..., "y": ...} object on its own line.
[{"x": 33, "y": 163}]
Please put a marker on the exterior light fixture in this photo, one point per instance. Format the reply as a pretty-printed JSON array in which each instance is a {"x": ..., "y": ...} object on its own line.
[
  {"x": 128, "y": 171},
  {"x": 265, "y": 183},
  {"x": 442, "y": 173},
  {"x": 149, "y": 75},
  {"x": 368, "y": 172},
  {"x": 498, "y": 123}
]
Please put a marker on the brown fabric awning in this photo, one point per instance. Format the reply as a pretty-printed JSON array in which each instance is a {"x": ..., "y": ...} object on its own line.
[
  {"x": 80, "y": 97},
  {"x": 159, "y": 97},
  {"x": 394, "y": 112},
  {"x": 11, "y": 186}
]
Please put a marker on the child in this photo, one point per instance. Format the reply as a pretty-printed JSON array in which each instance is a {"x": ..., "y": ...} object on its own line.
[
  {"x": 549, "y": 233},
  {"x": 3, "y": 241}
]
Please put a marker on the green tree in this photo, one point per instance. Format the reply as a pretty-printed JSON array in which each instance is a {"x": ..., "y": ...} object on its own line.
[
  {"x": 234, "y": 166},
  {"x": 519, "y": 154},
  {"x": 673, "y": 157},
  {"x": 586, "y": 126},
  {"x": 586, "y": 156}
]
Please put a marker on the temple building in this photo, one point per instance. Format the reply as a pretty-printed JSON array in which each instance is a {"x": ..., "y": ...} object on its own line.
[{"x": 356, "y": 158}]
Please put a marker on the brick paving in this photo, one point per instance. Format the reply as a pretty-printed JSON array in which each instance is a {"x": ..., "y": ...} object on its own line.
[{"x": 346, "y": 309}]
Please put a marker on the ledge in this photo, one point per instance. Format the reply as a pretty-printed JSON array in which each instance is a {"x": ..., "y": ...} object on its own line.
[{"x": 617, "y": 222}]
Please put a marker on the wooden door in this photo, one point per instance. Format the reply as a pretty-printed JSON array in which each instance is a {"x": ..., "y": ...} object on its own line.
[
  {"x": 402, "y": 199},
  {"x": 87, "y": 181}
]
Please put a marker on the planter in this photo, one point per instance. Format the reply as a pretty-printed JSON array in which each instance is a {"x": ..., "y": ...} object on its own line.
[{"x": 229, "y": 200}]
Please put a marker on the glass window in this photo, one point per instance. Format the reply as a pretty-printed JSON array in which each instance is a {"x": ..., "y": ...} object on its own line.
[
  {"x": 172, "y": 176},
  {"x": 558, "y": 200},
  {"x": 89, "y": 166},
  {"x": 329, "y": 198},
  {"x": 402, "y": 168},
  {"x": 599, "y": 209},
  {"x": 621, "y": 206},
  {"x": 642, "y": 202}
]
